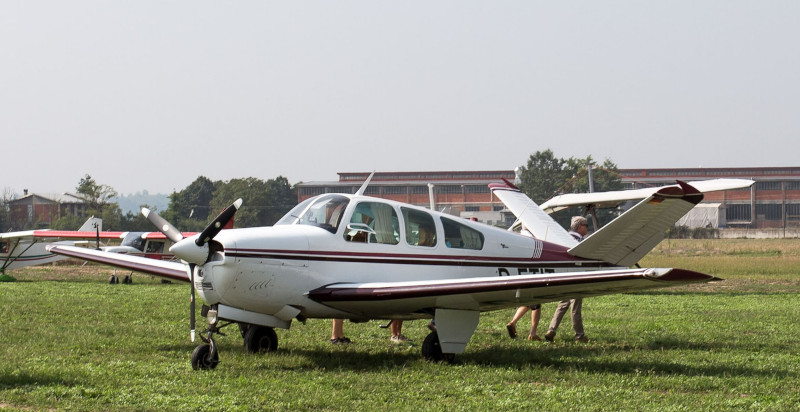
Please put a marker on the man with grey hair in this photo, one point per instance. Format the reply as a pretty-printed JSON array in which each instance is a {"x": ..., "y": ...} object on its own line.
[{"x": 578, "y": 228}]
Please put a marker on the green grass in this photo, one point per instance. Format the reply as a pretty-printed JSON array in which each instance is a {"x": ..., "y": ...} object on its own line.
[{"x": 68, "y": 340}]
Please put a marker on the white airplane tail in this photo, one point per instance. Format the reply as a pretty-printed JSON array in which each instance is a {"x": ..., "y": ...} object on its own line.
[
  {"x": 92, "y": 224},
  {"x": 539, "y": 223}
]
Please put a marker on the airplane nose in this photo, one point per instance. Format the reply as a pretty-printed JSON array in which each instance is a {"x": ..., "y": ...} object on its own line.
[{"x": 188, "y": 250}]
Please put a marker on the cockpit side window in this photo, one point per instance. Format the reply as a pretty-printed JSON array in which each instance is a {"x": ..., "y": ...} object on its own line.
[
  {"x": 326, "y": 212},
  {"x": 3, "y": 246},
  {"x": 461, "y": 236},
  {"x": 373, "y": 222},
  {"x": 420, "y": 228}
]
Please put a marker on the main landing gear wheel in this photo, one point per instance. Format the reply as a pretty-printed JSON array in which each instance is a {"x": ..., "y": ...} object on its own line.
[
  {"x": 204, "y": 357},
  {"x": 432, "y": 350},
  {"x": 259, "y": 339}
]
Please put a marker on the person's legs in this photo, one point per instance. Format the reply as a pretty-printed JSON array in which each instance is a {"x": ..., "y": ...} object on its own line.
[
  {"x": 577, "y": 320},
  {"x": 561, "y": 309},
  {"x": 536, "y": 314},
  {"x": 512, "y": 326}
]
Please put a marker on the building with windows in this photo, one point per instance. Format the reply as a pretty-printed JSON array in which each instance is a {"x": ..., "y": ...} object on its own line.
[
  {"x": 772, "y": 203},
  {"x": 35, "y": 211}
]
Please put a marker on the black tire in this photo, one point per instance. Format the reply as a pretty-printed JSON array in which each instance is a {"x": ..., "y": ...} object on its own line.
[
  {"x": 127, "y": 280},
  {"x": 432, "y": 349},
  {"x": 113, "y": 280},
  {"x": 243, "y": 328},
  {"x": 201, "y": 360},
  {"x": 259, "y": 339}
]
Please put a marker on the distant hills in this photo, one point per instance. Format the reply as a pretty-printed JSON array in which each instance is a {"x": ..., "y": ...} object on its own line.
[{"x": 133, "y": 202}]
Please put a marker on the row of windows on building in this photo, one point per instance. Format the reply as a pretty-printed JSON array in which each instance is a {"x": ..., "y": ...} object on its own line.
[
  {"x": 775, "y": 212},
  {"x": 396, "y": 190}
]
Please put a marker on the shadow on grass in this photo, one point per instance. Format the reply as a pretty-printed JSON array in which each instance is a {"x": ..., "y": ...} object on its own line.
[
  {"x": 587, "y": 358},
  {"x": 24, "y": 380}
]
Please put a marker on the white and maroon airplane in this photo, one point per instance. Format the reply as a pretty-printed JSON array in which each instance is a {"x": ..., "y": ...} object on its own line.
[{"x": 360, "y": 258}]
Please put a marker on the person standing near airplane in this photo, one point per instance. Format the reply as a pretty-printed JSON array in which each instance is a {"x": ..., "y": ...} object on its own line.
[{"x": 578, "y": 228}]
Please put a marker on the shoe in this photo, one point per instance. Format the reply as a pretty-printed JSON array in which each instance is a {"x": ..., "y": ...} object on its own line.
[
  {"x": 582, "y": 339},
  {"x": 512, "y": 331},
  {"x": 534, "y": 337},
  {"x": 400, "y": 339},
  {"x": 341, "y": 340},
  {"x": 549, "y": 336}
]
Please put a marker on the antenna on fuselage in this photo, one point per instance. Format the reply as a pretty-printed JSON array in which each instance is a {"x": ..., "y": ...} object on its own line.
[{"x": 363, "y": 187}]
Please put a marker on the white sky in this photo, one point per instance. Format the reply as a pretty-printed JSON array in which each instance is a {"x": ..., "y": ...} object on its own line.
[{"x": 148, "y": 95}]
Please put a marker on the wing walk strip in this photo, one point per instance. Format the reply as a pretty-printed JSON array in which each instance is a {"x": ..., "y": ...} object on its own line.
[{"x": 339, "y": 292}]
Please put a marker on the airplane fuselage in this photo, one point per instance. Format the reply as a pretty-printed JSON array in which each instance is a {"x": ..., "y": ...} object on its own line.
[{"x": 264, "y": 270}]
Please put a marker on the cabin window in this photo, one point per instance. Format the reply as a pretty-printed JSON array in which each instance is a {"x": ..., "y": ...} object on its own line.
[
  {"x": 460, "y": 236},
  {"x": 155, "y": 247},
  {"x": 3, "y": 247},
  {"x": 326, "y": 212},
  {"x": 373, "y": 222},
  {"x": 420, "y": 229}
]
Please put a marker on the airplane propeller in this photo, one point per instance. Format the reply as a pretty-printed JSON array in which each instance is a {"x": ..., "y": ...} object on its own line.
[{"x": 193, "y": 252}]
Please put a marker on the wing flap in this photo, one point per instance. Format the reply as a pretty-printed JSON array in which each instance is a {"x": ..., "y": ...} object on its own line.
[
  {"x": 490, "y": 293},
  {"x": 626, "y": 239},
  {"x": 169, "y": 270}
]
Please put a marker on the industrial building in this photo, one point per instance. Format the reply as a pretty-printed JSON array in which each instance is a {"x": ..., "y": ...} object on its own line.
[{"x": 771, "y": 206}]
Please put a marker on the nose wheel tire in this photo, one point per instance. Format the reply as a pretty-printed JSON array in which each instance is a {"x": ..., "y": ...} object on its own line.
[
  {"x": 260, "y": 339},
  {"x": 203, "y": 358}
]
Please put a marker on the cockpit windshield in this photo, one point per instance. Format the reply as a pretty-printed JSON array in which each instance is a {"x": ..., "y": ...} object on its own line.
[{"x": 324, "y": 211}]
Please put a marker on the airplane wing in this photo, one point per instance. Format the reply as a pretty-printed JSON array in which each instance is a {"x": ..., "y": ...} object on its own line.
[
  {"x": 165, "y": 269},
  {"x": 490, "y": 293},
  {"x": 613, "y": 199},
  {"x": 626, "y": 239},
  {"x": 539, "y": 223}
]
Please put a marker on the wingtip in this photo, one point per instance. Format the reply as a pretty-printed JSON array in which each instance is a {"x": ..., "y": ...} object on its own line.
[{"x": 238, "y": 203}]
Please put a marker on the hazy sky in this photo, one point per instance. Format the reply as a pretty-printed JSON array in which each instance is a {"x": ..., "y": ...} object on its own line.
[{"x": 151, "y": 94}]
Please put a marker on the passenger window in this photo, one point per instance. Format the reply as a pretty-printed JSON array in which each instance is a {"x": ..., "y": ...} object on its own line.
[
  {"x": 420, "y": 229},
  {"x": 373, "y": 222},
  {"x": 461, "y": 236},
  {"x": 3, "y": 247}
]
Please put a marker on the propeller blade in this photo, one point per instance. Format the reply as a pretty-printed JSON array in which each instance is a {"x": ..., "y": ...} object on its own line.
[
  {"x": 191, "y": 302},
  {"x": 163, "y": 226},
  {"x": 219, "y": 222}
]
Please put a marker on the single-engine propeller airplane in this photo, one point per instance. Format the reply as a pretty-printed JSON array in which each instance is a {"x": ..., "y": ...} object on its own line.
[
  {"x": 27, "y": 248},
  {"x": 359, "y": 257}
]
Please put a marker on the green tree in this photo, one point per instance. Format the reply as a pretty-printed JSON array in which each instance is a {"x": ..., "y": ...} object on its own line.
[
  {"x": 189, "y": 209},
  {"x": 545, "y": 176},
  {"x": 264, "y": 201},
  {"x": 94, "y": 195},
  {"x": 97, "y": 198},
  {"x": 542, "y": 176}
]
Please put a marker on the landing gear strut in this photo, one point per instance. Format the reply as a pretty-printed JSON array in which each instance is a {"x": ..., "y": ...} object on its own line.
[{"x": 206, "y": 356}]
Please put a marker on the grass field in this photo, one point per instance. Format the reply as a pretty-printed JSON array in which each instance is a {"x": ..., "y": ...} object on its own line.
[{"x": 68, "y": 340}]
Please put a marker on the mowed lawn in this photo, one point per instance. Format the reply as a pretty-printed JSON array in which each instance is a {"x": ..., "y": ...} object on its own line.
[{"x": 69, "y": 340}]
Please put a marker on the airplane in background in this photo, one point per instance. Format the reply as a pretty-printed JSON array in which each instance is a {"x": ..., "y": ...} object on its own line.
[
  {"x": 359, "y": 257},
  {"x": 27, "y": 248}
]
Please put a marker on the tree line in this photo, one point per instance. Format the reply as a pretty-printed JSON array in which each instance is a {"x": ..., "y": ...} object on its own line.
[
  {"x": 542, "y": 177},
  {"x": 189, "y": 209}
]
